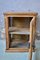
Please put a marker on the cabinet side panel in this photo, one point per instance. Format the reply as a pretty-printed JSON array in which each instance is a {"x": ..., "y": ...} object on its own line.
[{"x": 7, "y": 33}]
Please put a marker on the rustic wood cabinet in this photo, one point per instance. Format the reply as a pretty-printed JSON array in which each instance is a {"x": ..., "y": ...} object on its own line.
[{"x": 20, "y": 30}]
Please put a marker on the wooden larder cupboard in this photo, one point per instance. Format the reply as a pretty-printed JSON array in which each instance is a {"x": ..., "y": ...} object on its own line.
[{"x": 20, "y": 30}]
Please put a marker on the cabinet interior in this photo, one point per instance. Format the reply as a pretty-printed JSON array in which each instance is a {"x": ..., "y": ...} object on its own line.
[{"x": 19, "y": 31}]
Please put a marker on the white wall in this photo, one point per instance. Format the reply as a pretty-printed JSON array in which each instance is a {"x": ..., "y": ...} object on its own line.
[{"x": 18, "y": 5}]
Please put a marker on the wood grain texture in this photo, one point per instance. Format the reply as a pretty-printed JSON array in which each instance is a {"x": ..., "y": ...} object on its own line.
[
  {"x": 32, "y": 31},
  {"x": 7, "y": 33},
  {"x": 20, "y": 14},
  {"x": 19, "y": 50},
  {"x": 32, "y": 35}
]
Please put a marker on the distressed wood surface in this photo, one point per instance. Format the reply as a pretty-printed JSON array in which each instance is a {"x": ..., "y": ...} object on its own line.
[{"x": 32, "y": 30}]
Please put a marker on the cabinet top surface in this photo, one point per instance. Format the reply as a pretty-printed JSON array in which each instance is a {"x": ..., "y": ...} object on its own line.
[{"x": 20, "y": 13}]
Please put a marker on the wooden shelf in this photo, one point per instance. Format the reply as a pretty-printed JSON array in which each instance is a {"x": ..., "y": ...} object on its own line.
[
  {"x": 19, "y": 32},
  {"x": 19, "y": 50},
  {"x": 14, "y": 30}
]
